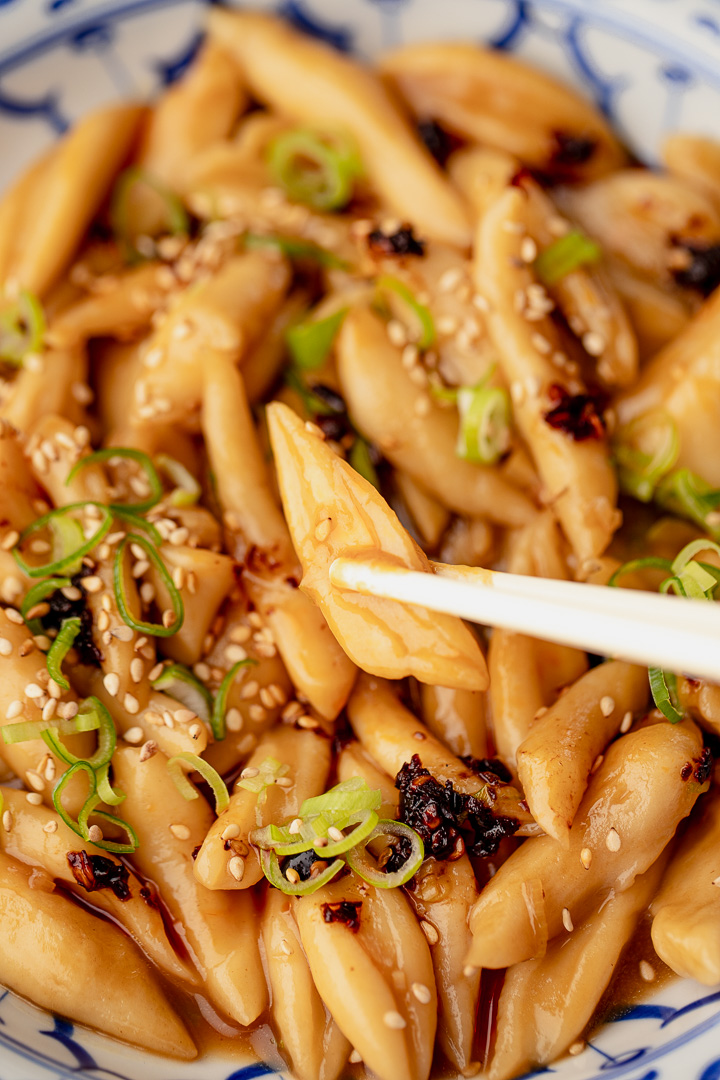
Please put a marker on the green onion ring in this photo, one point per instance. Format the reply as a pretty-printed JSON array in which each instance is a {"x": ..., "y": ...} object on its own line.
[
  {"x": 392, "y": 289},
  {"x": 138, "y": 456},
  {"x": 568, "y": 253},
  {"x": 328, "y": 183},
  {"x": 70, "y": 559},
  {"x": 484, "y": 432},
  {"x": 310, "y": 342},
  {"x": 271, "y": 870},
  {"x": 59, "y": 649},
  {"x": 154, "y": 629},
  {"x": 22, "y": 328},
  {"x": 663, "y": 686},
  {"x": 177, "y": 219},
  {"x": 107, "y": 737},
  {"x": 33, "y": 729},
  {"x": 210, "y": 775},
  {"x": 649, "y": 562},
  {"x": 359, "y": 860},
  {"x": 217, "y": 720},
  {"x": 36, "y": 594},
  {"x": 105, "y": 790}
]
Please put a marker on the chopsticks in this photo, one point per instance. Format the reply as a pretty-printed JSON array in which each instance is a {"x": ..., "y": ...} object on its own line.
[{"x": 668, "y": 632}]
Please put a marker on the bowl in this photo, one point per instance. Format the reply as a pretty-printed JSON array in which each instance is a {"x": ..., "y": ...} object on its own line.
[{"x": 652, "y": 65}]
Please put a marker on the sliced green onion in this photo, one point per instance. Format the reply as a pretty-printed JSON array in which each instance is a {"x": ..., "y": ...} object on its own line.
[
  {"x": 345, "y": 798},
  {"x": 33, "y": 729},
  {"x": 67, "y": 560},
  {"x": 314, "y": 169},
  {"x": 413, "y": 315},
  {"x": 271, "y": 869},
  {"x": 663, "y": 686},
  {"x": 22, "y": 329},
  {"x": 142, "y": 459},
  {"x": 689, "y": 552},
  {"x": 296, "y": 249},
  {"x": 37, "y": 594},
  {"x": 269, "y": 770},
  {"x": 313, "y": 404},
  {"x": 366, "y": 867},
  {"x": 107, "y": 845},
  {"x": 180, "y": 683},
  {"x": 645, "y": 450},
  {"x": 315, "y": 829},
  {"x": 359, "y": 458},
  {"x": 568, "y": 253},
  {"x": 310, "y": 342},
  {"x": 217, "y": 720},
  {"x": 107, "y": 737},
  {"x": 484, "y": 433},
  {"x": 653, "y": 562},
  {"x": 154, "y": 629},
  {"x": 187, "y": 490},
  {"x": 445, "y": 395},
  {"x": 105, "y": 789},
  {"x": 78, "y": 767},
  {"x": 213, "y": 778},
  {"x": 121, "y": 209},
  {"x": 59, "y": 649},
  {"x": 683, "y": 492}
]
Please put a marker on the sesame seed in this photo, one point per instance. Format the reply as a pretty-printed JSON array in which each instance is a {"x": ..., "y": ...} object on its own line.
[
  {"x": 397, "y": 334},
  {"x": 250, "y": 690},
  {"x": 34, "y": 798},
  {"x": 50, "y": 827},
  {"x": 321, "y": 842},
  {"x": 7, "y": 821},
  {"x": 14, "y": 616},
  {"x": 140, "y": 568},
  {"x": 131, "y": 703},
  {"x": 147, "y": 592},
  {"x": 54, "y": 690},
  {"x": 68, "y": 710},
  {"x": 70, "y": 592},
  {"x": 179, "y": 536},
  {"x": 266, "y": 698},
  {"x": 95, "y": 833},
  {"x": 238, "y": 634},
  {"x": 607, "y": 705},
  {"x": 716, "y": 881},
  {"x": 257, "y": 713},
  {"x": 92, "y": 584},
  {"x": 195, "y": 731},
  {"x": 597, "y": 763},
  {"x": 168, "y": 720},
  {"x": 249, "y": 773},
  {"x": 201, "y": 670},
  {"x": 168, "y": 618},
  {"x": 612, "y": 840},
  {"x": 430, "y": 932},
  {"x": 528, "y": 250},
  {"x": 103, "y": 621},
  {"x": 567, "y": 920},
  {"x": 626, "y": 723},
  {"x": 180, "y": 831},
  {"x": 292, "y": 876},
  {"x": 26, "y": 647},
  {"x": 421, "y": 992},
  {"x": 148, "y": 750},
  {"x": 284, "y": 782},
  {"x": 33, "y": 691},
  {"x": 184, "y": 716},
  {"x": 233, "y": 720},
  {"x": 137, "y": 669},
  {"x": 230, "y": 832},
  {"x": 308, "y": 723},
  {"x": 394, "y": 1020},
  {"x": 49, "y": 709},
  {"x": 586, "y": 857},
  {"x": 134, "y": 735},
  {"x": 355, "y": 1058},
  {"x": 593, "y": 343},
  {"x": 10, "y": 540},
  {"x": 236, "y": 867},
  {"x": 323, "y": 529},
  {"x": 234, "y": 654},
  {"x": 422, "y": 406},
  {"x": 122, "y": 633},
  {"x": 295, "y": 826},
  {"x": 647, "y": 971},
  {"x": 14, "y": 709},
  {"x": 576, "y": 1048},
  {"x": 111, "y": 682},
  {"x": 313, "y": 429},
  {"x": 335, "y": 834}
]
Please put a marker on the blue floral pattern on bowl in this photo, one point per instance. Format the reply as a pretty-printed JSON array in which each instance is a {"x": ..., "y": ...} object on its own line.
[{"x": 653, "y": 66}]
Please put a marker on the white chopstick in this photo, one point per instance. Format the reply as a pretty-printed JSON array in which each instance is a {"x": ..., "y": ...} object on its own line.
[{"x": 669, "y": 632}]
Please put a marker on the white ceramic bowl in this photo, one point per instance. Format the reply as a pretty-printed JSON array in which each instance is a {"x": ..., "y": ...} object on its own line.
[{"x": 652, "y": 65}]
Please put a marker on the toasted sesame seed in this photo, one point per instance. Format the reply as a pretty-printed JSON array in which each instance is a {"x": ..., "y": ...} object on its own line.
[
  {"x": 49, "y": 709},
  {"x": 308, "y": 723},
  {"x": 27, "y": 647},
  {"x": 34, "y": 798},
  {"x": 430, "y": 932},
  {"x": 716, "y": 881},
  {"x": 54, "y": 690},
  {"x": 7, "y": 821},
  {"x": 593, "y": 343},
  {"x": 195, "y": 731},
  {"x": 168, "y": 618},
  {"x": 200, "y": 669},
  {"x": 394, "y": 1020},
  {"x": 239, "y": 635},
  {"x": 607, "y": 705},
  {"x": 355, "y": 1058},
  {"x": 92, "y": 584},
  {"x": 10, "y": 540},
  {"x": 284, "y": 781},
  {"x": 50, "y": 827},
  {"x": 68, "y": 710},
  {"x": 70, "y": 592},
  {"x": 111, "y": 682},
  {"x": 134, "y": 735},
  {"x": 122, "y": 633},
  {"x": 148, "y": 750},
  {"x": 180, "y": 831},
  {"x": 626, "y": 723},
  {"x": 292, "y": 875},
  {"x": 335, "y": 834},
  {"x": 184, "y": 716},
  {"x": 612, "y": 840},
  {"x": 257, "y": 713},
  {"x": 266, "y": 698},
  {"x": 131, "y": 703},
  {"x": 179, "y": 536},
  {"x": 249, "y": 772},
  {"x": 140, "y": 568},
  {"x": 540, "y": 343},
  {"x": 397, "y": 334},
  {"x": 95, "y": 833},
  {"x": 249, "y": 690},
  {"x": 567, "y": 920},
  {"x": 234, "y": 654},
  {"x": 586, "y": 857},
  {"x": 103, "y": 621},
  {"x": 422, "y": 406},
  {"x": 236, "y": 867},
  {"x": 233, "y": 720},
  {"x": 14, "y": 616},
  {"x": 33, "y": 691},
  {"x": 137, "y": 669},
  {"x": 14, "y": 709},
  {"x": 295, "y": 826},
  {"x": 421, "y": 992},
  {"x": 528, "y": 250},
  {"x": 576, "y": 1048},
  {"x": 168, "y": 719},
  {"x": 647, "y": 971},
  {"x": 230, "y": 832}
]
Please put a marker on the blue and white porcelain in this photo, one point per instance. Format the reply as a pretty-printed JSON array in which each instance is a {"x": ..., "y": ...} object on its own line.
[{"x": 652, "y": 65}]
